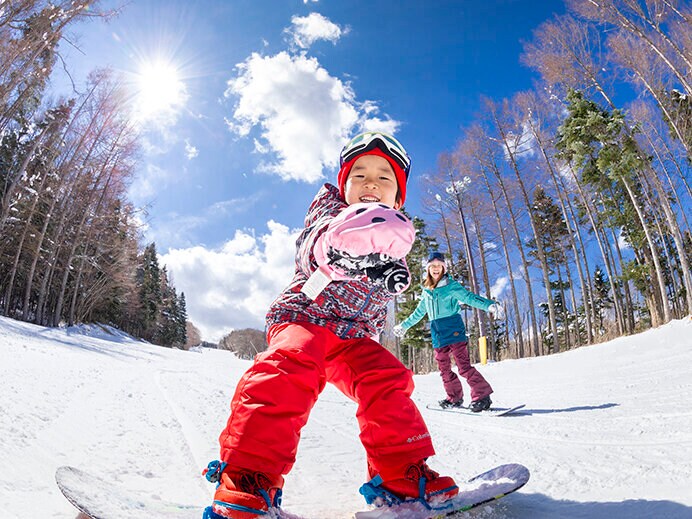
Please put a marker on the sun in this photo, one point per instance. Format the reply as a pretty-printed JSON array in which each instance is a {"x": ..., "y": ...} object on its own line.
[{"x": 159, "y": 89}]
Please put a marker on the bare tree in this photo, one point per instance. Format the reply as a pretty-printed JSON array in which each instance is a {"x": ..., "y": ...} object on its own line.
[
  {"x": 569, "y": 53},
  {"x": 455, "y": 186},
  {"x": 245, "y": 343},
  {"x": 194, "y": 336},
  {"x": 508, "y": 139},
  {"x": 665, "y": 159},
  {"x": 648, "y": 73},
  {"x": 481, "y": 146},
  {"x": 645, "y": 21}
]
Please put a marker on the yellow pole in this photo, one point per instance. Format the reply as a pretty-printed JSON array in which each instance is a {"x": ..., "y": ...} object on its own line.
[{"x": 483, "y": 349}]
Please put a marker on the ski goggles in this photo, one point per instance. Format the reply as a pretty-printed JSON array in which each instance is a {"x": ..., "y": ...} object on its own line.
[{"x": 371, "y": 140}]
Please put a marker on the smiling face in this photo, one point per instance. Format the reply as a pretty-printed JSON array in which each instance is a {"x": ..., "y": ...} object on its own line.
[
  {"x": 436, "y": 269},
  {"x": 372, "y": 179}
]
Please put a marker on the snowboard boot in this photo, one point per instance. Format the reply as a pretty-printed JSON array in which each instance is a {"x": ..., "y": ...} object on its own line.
[
  {"x": 413, "y": 482},
  {"x": 481, "y": 404},
  {"x": 447, "y": 403},
  {"x": 242, "y": 493}
]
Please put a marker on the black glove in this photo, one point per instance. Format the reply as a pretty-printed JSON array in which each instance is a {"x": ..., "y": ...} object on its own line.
[
  {"x": 392, "y": 275},
  {"x": 356, "y": 266}
]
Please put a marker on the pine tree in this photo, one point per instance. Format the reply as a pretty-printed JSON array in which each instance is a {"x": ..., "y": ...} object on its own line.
[
  {"x": 681, "y": 113},
  {"x": 600, "y": 144},
  {"x": 167, "y": 329},
  {"x": 553, "y": 232},
  {"x": 23, "y": 79},
  {"x": 181, "y": 336},
  {"x": 602, "y": 299},
  {"x": 150, "y": 295}
]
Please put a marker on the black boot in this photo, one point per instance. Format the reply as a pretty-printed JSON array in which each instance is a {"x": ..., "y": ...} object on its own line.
[
  {"x": 446, "y": 403},
  {"x": 480, "y": 405}
]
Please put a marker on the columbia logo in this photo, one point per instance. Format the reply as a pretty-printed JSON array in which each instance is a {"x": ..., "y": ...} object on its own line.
[{"x": 418, "y": 438}]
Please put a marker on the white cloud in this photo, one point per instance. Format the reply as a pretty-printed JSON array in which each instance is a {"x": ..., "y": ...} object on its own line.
[
  {"x": 565, "y": 172},
  {"x": 232, "y": 287},
  {"x": 234, "y": 205},
  {"x": 306, "y": 30},
  {"x": 304, "y": 114},
  {"x": 190, "y": 151},
  {"x": 176, "y": 230},
  {"x": 148, "y": 182},
  {"x": 523, "y": 144},
  {"x": 499, "y": 287}
]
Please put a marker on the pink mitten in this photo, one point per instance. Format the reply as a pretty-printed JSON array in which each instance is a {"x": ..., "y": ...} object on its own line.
[{"x": 363, "y": 236}]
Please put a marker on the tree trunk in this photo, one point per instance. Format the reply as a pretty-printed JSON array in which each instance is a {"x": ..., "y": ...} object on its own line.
[
  {"x": 529, "y": 290},
  {"x": 490, "y": 330},
  {"x": 20, "y": 246},
  {"x": 619, "y": 315},
  {"x": 539, "y": 245},
  {"x": 585, "y": 289},
  {"x": 664, "y": 203},
  {"x": 468, "y": 252},
  {"x": 14, "y": 183},
  {"x": 628, "y": 306},
  {"x": 659, "y": 148},
  {"x": 510, "y": 273},
  {"x": 89, "y": 232},
  {"x": 654, "y": 253}
]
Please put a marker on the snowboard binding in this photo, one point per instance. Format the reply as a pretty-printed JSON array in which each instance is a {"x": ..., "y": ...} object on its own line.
[{"x": 379, "y": 496}]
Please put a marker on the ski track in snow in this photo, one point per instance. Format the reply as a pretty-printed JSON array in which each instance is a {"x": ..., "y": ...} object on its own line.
[{"x": 606, "y": 431}]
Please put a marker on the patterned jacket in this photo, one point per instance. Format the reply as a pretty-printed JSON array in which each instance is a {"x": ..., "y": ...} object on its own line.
[{"x": 353, "y": 308}]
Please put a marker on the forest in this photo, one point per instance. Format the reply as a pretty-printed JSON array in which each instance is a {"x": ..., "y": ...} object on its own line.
[
  {"x": 578, "y": 190},
  {"x": 70, "y": 248},
  {"x": 583, "y": 203}
]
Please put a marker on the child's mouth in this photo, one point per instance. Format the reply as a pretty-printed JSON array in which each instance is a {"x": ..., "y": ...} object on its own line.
[{"x": 367, "y": 199}]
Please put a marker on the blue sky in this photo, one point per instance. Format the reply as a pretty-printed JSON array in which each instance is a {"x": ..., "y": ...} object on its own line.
[{"x": 245, "y": 104}]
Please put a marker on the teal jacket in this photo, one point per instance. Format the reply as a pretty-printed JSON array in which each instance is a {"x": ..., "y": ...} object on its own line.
[{"x": 442, "y": 306}]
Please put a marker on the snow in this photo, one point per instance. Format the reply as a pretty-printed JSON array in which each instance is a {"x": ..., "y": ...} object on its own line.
[{"x": 606, "y": 432}]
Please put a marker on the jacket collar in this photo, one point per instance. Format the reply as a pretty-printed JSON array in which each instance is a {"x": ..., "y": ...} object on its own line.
[{"x": 444, "y": 281}]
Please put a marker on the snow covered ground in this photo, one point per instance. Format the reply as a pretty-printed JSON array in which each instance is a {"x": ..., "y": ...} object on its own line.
[{"x": 606, "y": 432}]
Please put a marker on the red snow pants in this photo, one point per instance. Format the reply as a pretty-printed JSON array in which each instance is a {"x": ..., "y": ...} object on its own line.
[
  {"x": 275, "y": 396},
  {"x": 479, "y": 386}
]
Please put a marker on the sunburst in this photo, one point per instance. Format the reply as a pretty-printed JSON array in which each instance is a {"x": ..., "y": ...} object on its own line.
[{"x": 159, "y": 90}]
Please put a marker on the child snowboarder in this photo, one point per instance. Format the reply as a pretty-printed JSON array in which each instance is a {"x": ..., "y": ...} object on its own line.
[
  {"x": 349, "y": 265},
  {"x": 440, "y": 300}
]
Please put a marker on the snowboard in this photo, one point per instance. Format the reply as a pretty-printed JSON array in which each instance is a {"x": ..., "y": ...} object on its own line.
[
  {"x": 493, "y": 411},
  {"x": 477, "y": 491},
  {"x": 99, "y": 499},
  {"x": 96, "y": 498}
]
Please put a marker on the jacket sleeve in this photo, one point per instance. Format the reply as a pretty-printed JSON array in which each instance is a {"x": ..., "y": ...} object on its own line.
[
  {"x": 466, "y": 297},
  {"x": 323, "y": 209},
  {"x": 416, "y": 316}
]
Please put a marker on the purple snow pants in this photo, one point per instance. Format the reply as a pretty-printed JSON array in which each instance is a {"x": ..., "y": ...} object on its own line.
[{"x": 479, "y": 386}]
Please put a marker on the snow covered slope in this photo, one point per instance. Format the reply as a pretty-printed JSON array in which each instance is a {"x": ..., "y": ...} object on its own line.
[{"x": 606, "y": 432}]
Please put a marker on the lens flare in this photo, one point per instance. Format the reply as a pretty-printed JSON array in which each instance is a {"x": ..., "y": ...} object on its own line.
[{"x": 159, "y": 90}]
